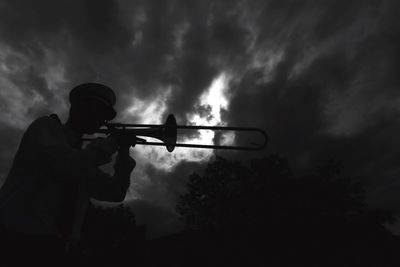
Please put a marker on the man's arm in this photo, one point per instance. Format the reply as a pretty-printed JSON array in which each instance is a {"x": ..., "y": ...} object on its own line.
[
  {"x": 61, "y": 160},
  {"x": 112, "y": 188}
]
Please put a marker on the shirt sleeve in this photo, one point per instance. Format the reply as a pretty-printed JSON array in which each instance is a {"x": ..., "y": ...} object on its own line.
[{"x": 105, "y": 187}]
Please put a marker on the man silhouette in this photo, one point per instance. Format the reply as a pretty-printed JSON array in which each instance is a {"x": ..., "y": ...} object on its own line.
[{"x": 44, "y": 198}]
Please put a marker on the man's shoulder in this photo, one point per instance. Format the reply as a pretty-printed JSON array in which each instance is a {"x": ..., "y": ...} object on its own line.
[{"x": 48, "y": 122}]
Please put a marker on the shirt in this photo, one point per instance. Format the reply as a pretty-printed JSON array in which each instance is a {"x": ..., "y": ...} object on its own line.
[{"x": 50, "y": 169}]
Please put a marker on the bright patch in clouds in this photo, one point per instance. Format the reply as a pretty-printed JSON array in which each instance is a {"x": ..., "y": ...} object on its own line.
[
  {"x": 215, "y": 98},
  {"x": 54, "y": 72},
  {"x": 150, "y": 111},
  {"x": 213, "y": 101}
]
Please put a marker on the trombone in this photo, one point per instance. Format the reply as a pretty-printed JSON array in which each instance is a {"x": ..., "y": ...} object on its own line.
[{"x": 168, "y": 131}]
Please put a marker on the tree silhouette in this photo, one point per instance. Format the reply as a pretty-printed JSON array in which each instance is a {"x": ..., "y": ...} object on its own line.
[
  {"x": 224, "y": 183},
  {"x": 263, "y": 214}
]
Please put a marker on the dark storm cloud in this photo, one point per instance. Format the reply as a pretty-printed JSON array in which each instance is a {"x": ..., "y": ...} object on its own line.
[
  {"x": 213, "y": 39},
  {"x": 82, "y": 34},
  {"x": 47, "y": 32},
  {"x": 344, "y": 104},
  {"x": 9, "y": 137},
  {"x": 94, "y": 23},
  {"x": 137, "y": 47}
]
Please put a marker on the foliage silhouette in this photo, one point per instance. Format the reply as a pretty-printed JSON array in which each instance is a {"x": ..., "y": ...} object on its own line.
[{"x": 264, "y": 214}]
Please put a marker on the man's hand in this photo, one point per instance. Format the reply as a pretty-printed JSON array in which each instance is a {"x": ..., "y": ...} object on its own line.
[
  {"x": 101, "y": 149},
  {"x": 125, "y": 139},
  {"x": 124, "y": 163}
]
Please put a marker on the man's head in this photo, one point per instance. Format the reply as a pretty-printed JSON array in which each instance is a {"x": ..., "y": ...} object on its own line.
[{"x": 91, "y": 106}]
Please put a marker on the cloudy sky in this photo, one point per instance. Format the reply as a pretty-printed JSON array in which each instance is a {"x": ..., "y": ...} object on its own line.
[{"x": 321, "y": 77}]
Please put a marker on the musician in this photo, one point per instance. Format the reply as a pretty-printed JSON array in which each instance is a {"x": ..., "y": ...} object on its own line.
[{"x": 44, "y": 198}]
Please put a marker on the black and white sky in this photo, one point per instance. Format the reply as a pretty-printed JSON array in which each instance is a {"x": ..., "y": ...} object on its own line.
[{"x": 321, "y": 77}]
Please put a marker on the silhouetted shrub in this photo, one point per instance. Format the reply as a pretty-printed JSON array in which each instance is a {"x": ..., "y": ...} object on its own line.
[{"x": 264, "y": 214}]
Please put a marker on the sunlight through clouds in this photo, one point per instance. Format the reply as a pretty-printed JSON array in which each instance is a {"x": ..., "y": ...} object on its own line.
[
  {"x": 207, "y": 111},
  {"x": 216, "y": 100},
  {"x": 148, "y": 112},
  {"x": 151, "y": 113}
]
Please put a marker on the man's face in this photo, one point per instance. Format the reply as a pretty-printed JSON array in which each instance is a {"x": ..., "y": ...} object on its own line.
[{"x": 91, "y": 115}]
